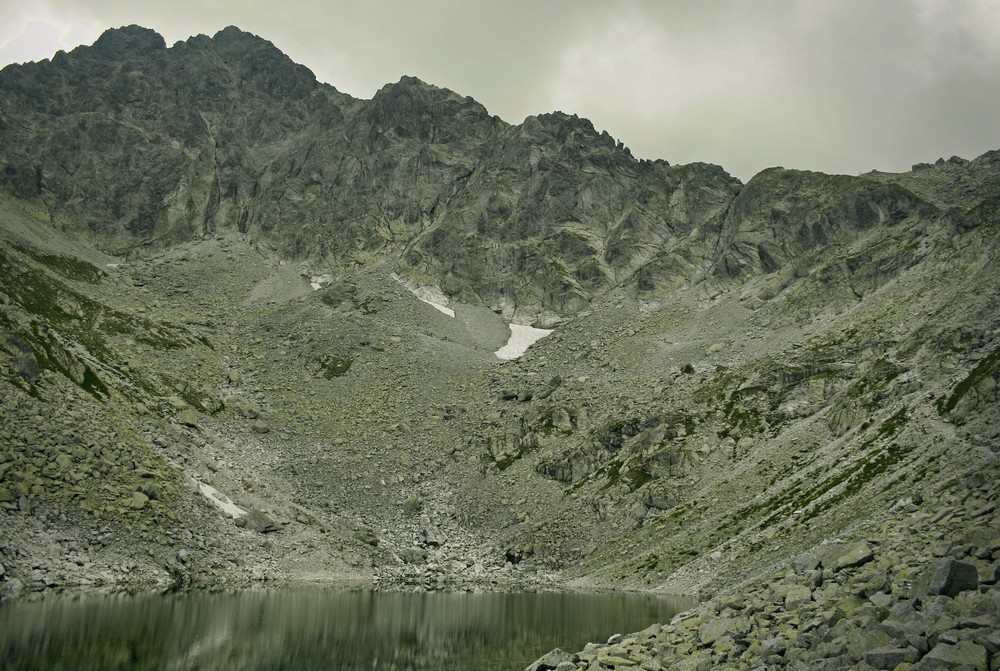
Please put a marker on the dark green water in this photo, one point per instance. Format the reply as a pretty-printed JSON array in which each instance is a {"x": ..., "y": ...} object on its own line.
[{"x": 317, "y": 629}]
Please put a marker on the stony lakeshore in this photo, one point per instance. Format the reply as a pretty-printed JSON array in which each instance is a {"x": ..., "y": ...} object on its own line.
[{"x": 918, "y": 591}]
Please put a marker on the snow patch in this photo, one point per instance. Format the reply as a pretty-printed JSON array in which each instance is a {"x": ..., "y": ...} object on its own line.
[
  {"x": 521, "y": 338},
  {"x": 433, "y": 296},
  {"x": 221, "y": 501}
]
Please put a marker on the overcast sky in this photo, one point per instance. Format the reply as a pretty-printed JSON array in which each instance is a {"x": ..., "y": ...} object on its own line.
[{"x": 833, "y": 85}]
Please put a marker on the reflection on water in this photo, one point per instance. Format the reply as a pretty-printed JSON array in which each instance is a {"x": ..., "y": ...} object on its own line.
[{"x": 298, "y": 629}]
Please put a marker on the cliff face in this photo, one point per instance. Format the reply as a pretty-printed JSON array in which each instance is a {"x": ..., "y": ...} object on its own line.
[
  {"x": 136, "y": 145},
  {"x": 197, "y": 260}
]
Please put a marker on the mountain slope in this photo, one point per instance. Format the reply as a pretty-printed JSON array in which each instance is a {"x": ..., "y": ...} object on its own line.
[{"x": 208, "y": 268}]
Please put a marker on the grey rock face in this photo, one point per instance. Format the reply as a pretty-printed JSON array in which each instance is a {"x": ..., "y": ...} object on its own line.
[
  {"x": 854, "y": 555},
  {"x": 961, "y": 655},
  {"x": 432, "y": 534},
  {"x": 230, "y": 134},
  {"x": 886, "y": 658},
  {"x": 713, "y": 630}
]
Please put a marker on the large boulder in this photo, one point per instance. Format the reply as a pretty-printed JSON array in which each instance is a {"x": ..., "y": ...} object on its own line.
[
  {"x": 962, "y": 655},
  {"x": 550, "y": 661},
  {"x": 714, "y": 629},
  {"x": 947, "y": 577}
]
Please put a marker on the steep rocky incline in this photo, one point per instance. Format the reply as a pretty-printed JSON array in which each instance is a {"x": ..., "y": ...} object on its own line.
[{"x": 868, "y": 604}]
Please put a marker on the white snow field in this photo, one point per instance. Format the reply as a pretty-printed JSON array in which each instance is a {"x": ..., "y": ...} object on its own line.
[
  {"x": 443, "y": 308},
  {"x": 521, "y": 338},
  {"x": 223, "y": 502}
]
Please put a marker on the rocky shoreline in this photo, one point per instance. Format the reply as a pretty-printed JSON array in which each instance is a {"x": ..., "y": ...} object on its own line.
[
  {"x": 918, "y": 591},
  {"x": 917, "y": 588}
]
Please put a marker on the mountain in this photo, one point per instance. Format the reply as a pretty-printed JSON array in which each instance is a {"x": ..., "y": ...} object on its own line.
[
  {"x": 226, "y": 133},
  {"x": 211, "y": 265}
]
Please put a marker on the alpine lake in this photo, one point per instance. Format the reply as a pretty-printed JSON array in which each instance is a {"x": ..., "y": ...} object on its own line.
[{"x": 318, "y": 628}]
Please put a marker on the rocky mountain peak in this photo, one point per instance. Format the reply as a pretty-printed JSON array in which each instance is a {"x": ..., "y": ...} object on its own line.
[
  {"x": 237, "y": 36},
  {"x": 258, "y": 64},
  {"x": 412, "y": 109},
  {"x": 561, "y": 125},
  {"x": 419, "y": 174},
  {"x": 127, "y": 40}
]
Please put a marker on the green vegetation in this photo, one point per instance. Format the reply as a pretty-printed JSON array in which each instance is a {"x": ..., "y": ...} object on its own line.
[
  {"x": 745, "y": 417},
  {"x": 618, "y": 471},
  {"x": 881, "y": 374},
  {"x": 69, "y": 267},
  {"x": 505, "y": 460},
  {"x": 546, "y": 425},
  {"x": 612, "y": 435},
  {"x": 72, "y": 268},
  {"x": 989, "y": 366},
  {"x": 636, "y": 478},
  {"x": 892, "y": 425},
  {"x": 852, "y": 479},
  {"x": 62, "y": 313},
  {"x": 334, "y": 365}
]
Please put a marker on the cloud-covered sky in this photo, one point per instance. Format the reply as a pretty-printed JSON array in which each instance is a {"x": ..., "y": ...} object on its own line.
[{"x": 832, "y": 85}]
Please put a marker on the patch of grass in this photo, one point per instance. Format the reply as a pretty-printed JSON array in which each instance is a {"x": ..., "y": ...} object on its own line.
[
  {"x": 507, "y": 460},
  {"x": 741, "y": 418},
  {"x": 989, "y": 366},
  {"x": 859, "y": 476},
  {"x": 546, "y": 425},
  {"x": 68, "y": 266},
  {"x": 612, "y": 435},
  {"x": 37, "y": 351},
  {"x": 853, "y": 478},
  {"x": 882, "y": 373},
  {"x": 894, "y": 423},
  {"x": 72, "y": 268},
  {"x": 648, "y": 563},
  {"x": 714, "y": 392},
  {"x": 159, "y": 340},
  {"x": 85, "y": 322},
  {"x": 611, "y": 471},
  {"x": 636, "y": 477},
  {"x": 334, "y": 365}
]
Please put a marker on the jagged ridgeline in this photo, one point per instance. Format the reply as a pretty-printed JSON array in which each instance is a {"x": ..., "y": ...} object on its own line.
[
  {"x": 140, "y": 146},
  {"x": 206, "y": 257}
]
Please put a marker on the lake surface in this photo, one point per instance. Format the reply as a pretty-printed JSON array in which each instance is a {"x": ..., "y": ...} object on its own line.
[{"x": 314, "y": 629}]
